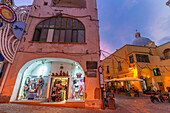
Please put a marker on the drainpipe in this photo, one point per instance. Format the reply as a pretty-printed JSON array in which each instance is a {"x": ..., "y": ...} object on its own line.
[{"x": 4, "y": 78}]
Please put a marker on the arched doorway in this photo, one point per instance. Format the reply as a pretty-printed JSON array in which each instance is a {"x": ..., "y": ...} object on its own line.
[
  {"x": 51, "y": 79},
  {"x": 146, "y": 74}
]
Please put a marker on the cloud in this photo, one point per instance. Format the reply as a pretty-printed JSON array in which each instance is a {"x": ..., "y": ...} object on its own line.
[
  {"x": 159, "y": 23},
  {"x": 129, "y": 3},
  {"x": 23, "y": 2},
  {"x": 106, "y": 27},
  {"x": 106, "y": 47},
  {"x": 164, "y": 40}
]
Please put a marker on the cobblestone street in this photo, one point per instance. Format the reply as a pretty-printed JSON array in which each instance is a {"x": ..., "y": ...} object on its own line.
[{"x": 124, "y": 105}]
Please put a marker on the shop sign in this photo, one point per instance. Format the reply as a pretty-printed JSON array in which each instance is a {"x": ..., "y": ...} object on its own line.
[
  {"x": 18, "y": 29},
  {"x": 7, "y": 13},
  {"x": 91, "y": 73},
  {"x": 1, "y": 65}
]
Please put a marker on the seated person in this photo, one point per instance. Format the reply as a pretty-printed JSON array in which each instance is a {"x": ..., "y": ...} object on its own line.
[{"x": 153, "y": 98}]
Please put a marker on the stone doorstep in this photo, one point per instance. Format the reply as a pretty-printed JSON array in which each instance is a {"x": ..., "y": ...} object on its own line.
[
  {"x": 4, "y": 99},
  {"x": 92, "y": 104}
]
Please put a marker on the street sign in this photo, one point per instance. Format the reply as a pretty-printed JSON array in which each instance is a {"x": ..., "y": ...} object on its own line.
[
  {"x": 18, "y": 29},
  {"x": 100, "y": 69},
  {"x": 101, "y": 81}
]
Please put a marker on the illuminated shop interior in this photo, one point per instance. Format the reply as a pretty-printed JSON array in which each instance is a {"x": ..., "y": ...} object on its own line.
[{"x": 63, "y": 80}]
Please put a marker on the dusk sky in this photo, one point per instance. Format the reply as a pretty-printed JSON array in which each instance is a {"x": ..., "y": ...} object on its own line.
[{"x": 119, "y": 19}]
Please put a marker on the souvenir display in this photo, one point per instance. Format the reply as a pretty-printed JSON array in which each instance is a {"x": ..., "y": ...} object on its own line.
[
  {"x": 7, "y": 13},
  {"x": 59, "y": 89},
  {"x": 61, "y": 86},
  {"x": 60, "y": 74},
  {"x": 78, "y": 88},
  {"x": 2, "y": 24},
  {"x": 32, "y": 88}
]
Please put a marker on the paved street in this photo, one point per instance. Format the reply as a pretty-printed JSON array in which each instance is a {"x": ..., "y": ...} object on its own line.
[{"x": 124, "y": 105}]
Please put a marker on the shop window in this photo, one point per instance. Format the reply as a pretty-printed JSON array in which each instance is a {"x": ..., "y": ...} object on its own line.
[
  {"x": 60, "y": 29},
  {"x": 142, "y": 58},
  {"x": 131, "y": 59},
  {"x": 167, "y": 53},
  {"x": 119, "y": 66},
  {"x": 108, "y": 70},
  {"x": 65, "y": 83},
  {"x": 156, "y": 72}
]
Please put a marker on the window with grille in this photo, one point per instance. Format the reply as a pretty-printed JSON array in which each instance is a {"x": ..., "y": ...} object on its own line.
[
  {"x": 60, "y": 29},
  {"x": 167, "y": 53},
  {"x": 108, "y": 70},
  {"x": 156, "y": 72},
  {"x": 131, "y": 59},
  {"x": 142, "y": 58},
  {"x": 119, "y": 66}
]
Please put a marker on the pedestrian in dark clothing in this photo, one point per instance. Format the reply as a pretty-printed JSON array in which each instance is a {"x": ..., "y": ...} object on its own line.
[
  {"x": 168, "y": 96},
  {"x": 161, "y": 98}
]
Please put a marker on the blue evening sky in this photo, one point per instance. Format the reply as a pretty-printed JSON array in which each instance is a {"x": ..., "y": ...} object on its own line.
[{"x": 119, "y": 19}]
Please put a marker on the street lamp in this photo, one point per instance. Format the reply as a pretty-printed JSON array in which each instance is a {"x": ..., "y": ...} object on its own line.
[{"x": 168, "y": 3}]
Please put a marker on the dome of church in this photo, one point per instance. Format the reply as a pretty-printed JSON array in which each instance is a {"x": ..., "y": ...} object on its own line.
[{"x": 140, "y": 41}]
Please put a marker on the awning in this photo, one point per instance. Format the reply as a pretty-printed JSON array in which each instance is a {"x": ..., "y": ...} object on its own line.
[
  {"x": 123, "y": 79},
  {"x": 108, "y": 80},
  {"x": 128, "y": 79}
]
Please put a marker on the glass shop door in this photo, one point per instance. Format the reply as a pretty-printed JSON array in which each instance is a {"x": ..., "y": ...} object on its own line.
[{"x": 59, "y": 89}]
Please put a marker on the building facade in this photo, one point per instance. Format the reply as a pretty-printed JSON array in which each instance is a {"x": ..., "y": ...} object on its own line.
[
  {"x": 139, "y": 65},
  {"x": 57, "y": 58}
]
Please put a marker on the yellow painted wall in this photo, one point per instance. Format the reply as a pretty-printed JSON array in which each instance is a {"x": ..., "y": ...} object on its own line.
[{"x": 140, "y": 68}]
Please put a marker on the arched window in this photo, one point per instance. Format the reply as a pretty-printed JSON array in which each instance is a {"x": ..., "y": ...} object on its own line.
[
  {"x": 167, "y": 53},
  {"x": 60, "y": 29}
]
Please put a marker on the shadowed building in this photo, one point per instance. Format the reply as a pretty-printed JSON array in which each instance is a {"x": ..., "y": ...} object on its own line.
[{"x": 60, "y": 43}]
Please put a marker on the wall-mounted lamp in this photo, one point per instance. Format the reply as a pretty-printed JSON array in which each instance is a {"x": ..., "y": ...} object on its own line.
[{"x": 130, "y": 67}]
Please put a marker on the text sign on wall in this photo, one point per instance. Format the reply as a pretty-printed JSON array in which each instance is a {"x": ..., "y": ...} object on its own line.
[
  {"x": 91, "y": 73},
  {"x": 101, "y": 81},
  {"x": 91, "y": 64}
]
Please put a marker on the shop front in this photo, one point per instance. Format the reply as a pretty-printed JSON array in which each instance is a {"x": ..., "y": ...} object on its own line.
[{"x": 50, "y": 80}]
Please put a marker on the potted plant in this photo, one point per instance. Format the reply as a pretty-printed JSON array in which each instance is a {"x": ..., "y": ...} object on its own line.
[
  {"x": 168, "y": 88},
  {"x": 117, "y": 91},
  {"x": 112, "y": 89},
  {"x": 132, "y": 93}
]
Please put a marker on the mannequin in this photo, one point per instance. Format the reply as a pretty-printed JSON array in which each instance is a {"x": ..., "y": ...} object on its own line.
[{"x": 40, "y": 84}]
